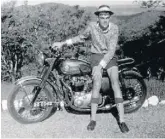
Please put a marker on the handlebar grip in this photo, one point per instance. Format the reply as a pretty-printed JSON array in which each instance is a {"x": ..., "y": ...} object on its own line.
[{"x": 51, "y": 49}]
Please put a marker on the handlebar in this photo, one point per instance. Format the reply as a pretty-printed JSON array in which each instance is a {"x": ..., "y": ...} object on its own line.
[
  {"x": 60, "y": 52},
  {"x": 51, "y": 49}
]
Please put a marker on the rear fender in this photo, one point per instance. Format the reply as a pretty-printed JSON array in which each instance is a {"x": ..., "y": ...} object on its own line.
[
  {"x": 133, "y": 72},
  {"x": 129, "y": 69}
]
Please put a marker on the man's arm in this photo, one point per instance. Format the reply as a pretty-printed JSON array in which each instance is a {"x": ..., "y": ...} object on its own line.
[
  {"x": 80, "y": 38},
  {"x": 111, "y": 49}
]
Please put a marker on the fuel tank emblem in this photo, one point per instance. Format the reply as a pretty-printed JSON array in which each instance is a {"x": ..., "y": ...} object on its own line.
[{"x": 66, "y": 67}]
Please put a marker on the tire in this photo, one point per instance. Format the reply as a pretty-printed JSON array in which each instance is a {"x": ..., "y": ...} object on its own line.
[
  {"x": 43, "y": 114},
  {"x": 132, "y": 107}
]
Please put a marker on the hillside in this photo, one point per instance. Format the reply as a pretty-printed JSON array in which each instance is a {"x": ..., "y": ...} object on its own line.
[
  {"x": 138, "y": 19},
  {"x": 137, "y": 25}
]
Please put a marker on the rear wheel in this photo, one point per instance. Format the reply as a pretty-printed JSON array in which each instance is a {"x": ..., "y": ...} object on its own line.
[
  {"x": 19, "y": 103},
  {"x": 135, "y": 92}
]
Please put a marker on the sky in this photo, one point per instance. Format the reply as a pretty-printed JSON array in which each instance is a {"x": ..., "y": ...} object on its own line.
[
  {"x": 76, "y": 2},
  {"x": 120, "y": 7}
]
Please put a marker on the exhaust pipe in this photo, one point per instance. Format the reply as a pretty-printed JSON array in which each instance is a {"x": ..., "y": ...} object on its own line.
[{"x": 110, "y": 106}]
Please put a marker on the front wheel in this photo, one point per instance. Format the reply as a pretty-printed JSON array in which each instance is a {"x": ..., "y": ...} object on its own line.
[
  {"x": 135, "y": 91},
  {"x": 19, "y": 102}
]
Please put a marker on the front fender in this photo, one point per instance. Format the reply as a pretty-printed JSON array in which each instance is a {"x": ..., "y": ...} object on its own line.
[{"x": 27, "y": 78}]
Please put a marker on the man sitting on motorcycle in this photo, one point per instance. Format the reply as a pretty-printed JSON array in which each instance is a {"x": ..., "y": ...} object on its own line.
[{"x": 104, "y": 38}]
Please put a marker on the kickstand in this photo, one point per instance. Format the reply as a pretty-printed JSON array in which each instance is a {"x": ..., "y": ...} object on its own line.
[{"x": 60, "y": 107}]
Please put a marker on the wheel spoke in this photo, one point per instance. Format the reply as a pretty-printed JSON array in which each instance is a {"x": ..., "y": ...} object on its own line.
[
  {"x": 24, "y": 90},
  {"x": 21, "y": 110},
  {"x": 135, "y": 89}
]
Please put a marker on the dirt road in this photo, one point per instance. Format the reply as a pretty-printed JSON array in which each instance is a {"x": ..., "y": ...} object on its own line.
[{"x": 144, "y": 123}]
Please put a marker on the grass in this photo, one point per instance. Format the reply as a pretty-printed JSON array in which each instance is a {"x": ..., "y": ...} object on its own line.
[{"x": 155, "y": 87}]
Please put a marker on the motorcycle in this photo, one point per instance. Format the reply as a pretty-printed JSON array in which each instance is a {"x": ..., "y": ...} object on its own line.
[{"x": 66, "y": 82}]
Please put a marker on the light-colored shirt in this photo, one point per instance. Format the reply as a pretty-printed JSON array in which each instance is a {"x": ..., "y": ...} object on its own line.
[{"x": 103, "y": 42}]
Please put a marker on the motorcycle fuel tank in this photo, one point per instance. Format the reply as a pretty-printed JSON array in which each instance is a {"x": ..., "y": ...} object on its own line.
[{"x": 74, "y": 67}]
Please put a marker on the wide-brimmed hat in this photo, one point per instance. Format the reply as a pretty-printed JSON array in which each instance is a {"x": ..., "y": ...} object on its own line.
[{"x": 103, "y": 8}]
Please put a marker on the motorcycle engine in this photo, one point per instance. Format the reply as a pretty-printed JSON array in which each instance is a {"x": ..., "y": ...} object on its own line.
[{"x": 81, "y": 87}]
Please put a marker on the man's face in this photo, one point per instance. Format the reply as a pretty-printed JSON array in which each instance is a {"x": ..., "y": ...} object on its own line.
[{"x": 104, "y": 19}]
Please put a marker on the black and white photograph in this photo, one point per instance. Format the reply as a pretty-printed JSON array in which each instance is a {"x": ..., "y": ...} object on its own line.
[{"x": 82, "y": 68}]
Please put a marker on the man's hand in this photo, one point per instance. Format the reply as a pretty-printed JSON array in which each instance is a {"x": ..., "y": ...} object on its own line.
[{"x": 57, "y": 45}]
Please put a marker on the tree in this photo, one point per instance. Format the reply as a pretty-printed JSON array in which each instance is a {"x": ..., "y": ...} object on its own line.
[
  {"x": 12, "y": 40},
  {"x": 150, "y": 3}
]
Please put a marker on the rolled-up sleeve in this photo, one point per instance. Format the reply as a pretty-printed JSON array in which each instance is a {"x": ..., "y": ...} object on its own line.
[{"x": 112, "y": 45}]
